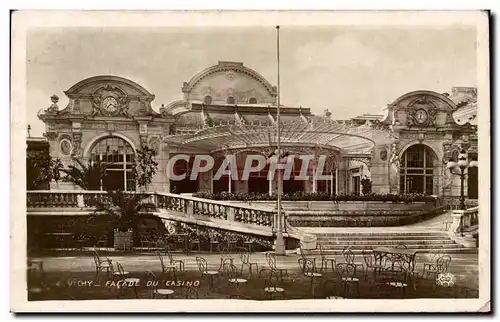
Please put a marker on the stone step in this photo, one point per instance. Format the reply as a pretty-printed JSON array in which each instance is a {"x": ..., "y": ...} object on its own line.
[
  {"x": 381, "y": 233},
  {"x": 384, "y": 242},
  {"x": 381, "y": 237},
  {"x": 461, "y": 250},
  {"x": 409, "y": 246}
]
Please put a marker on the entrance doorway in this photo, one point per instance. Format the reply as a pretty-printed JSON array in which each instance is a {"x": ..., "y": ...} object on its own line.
[
  {"x": 417, "y": 170},
  {"x": 118, "y": 157}
]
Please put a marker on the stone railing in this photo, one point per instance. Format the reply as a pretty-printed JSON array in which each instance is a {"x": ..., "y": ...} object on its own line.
[
  {"x": 463, "y": 220},
  {"x": 216, "y": 209},
  {"x": 62, "y": 199},
  {"x": 82, "y": 200}
]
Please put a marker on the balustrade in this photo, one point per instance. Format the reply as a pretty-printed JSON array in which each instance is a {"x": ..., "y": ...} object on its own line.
[
  {"x": 464, "y": 219},
  {"x": 48, "y": 199},
  {"x": 184, "y": 204}
]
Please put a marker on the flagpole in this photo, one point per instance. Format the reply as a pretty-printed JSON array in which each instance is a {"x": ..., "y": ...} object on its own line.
[{"x": 280, "y": 243}]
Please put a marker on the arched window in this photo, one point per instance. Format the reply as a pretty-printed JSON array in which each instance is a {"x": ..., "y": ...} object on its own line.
[
  {"x": 207, "y": 100},
  {"x": 230, "y": 100},
  {"x": 252, "y": 100},
  {"x": 119, "y": 159},
  {"x": 417, "y": 170}
]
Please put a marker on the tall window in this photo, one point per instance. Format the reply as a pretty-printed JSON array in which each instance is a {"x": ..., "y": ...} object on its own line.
[
  {"x": 119, "y": 158},
  {"x": 417, "y": 170},
  {"x": 230, "y": 100}
]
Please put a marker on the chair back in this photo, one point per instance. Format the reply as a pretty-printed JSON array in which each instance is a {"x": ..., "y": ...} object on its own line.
[
  {"x": 230, "y": 270},
  {"x": 245, "y": 257},
  {"x": 97, "y": 260},
  {"x": 348, "y": 255},
  {"x": 271, "y": 260},
  {"x": 346, "y": 270},
  {"x": 202, "y": 264},
  {"x": 443, "y": 263},
  {"x": 161, "y": 258},
  {"x": 120, "y": 269},
  {"x": 308, "y": 265},
  {"x": 170, "y": 258},
  {"x": 368, "y": 258}
]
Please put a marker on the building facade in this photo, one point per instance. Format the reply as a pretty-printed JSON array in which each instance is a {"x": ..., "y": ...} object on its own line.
[{"x": 231, "y": 110}]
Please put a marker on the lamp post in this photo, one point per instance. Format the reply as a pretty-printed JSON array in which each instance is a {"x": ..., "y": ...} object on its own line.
[
  {"x": 462, "y": 164},
  {"x": 279, "y": 159}
]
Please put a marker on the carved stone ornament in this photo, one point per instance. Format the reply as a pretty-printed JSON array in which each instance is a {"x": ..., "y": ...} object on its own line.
[
  {"x": 422, "y": 112},
  {"x": 383, "y": 155},
  {"x": 144, "y": 140},
  {"x": 110, "y": 101},
  {"x": 77, "y": 142},
  {"x": 65, "y": 146},
  {"x": 231, "y": 76}
]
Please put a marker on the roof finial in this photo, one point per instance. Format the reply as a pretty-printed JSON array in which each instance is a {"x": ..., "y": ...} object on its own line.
[{"x": 53, "y": 108}]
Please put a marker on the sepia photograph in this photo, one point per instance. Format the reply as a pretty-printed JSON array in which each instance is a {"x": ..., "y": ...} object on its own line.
[{"x": 250, "y": 161}]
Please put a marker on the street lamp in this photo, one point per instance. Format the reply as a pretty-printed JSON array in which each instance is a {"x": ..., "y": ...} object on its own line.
[
  {"x": 279, "y": 159},
  {"x": 462, "y": 164}
]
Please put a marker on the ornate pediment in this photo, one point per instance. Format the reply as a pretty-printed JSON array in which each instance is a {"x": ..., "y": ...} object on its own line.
[
  {"x": 110, "y": 100},
  {"x": 422, "y": 112}
]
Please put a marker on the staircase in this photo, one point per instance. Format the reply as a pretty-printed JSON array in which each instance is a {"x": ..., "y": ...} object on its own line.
[
  {"x": 426, "y": 242},
  {"x": 426, "y": 237}
]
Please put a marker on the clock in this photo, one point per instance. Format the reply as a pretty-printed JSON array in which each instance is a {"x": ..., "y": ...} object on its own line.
[
  {"x": 421, "y": 116},
  {"x": 110, "y": 104}
]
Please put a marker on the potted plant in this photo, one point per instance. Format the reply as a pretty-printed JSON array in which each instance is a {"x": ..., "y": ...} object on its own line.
[{"x": 125, "y": 209}]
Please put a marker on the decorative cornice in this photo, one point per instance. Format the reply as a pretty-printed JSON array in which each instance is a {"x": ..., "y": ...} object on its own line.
[
  {"x": 229, "y": 66},
  {"x": 106, "y": 78}
]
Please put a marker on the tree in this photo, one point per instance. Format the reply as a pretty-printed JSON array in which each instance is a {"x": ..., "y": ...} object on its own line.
[
  {"x": 366, "y": 186},
  {"x": 124, "y": 207},
  {"x": 145, "y": 167},
  {"x": 41, "y": 168},
  {"x": 87, "y": 177}
]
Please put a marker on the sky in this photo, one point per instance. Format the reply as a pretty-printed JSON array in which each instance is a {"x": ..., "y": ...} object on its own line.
[{"x": 346, "y": 69}]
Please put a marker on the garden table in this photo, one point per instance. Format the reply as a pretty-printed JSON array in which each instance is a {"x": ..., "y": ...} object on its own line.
[{"x": 407, "y": 256}]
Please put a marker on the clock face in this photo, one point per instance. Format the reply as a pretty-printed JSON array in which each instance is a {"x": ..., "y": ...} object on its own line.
[
  {"x": 110, "y": 104},
  {"x": 421, "y": 116}
]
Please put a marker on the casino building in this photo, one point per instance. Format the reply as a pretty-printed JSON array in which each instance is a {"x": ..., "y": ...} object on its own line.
[{"x": 229, "y": 108}]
